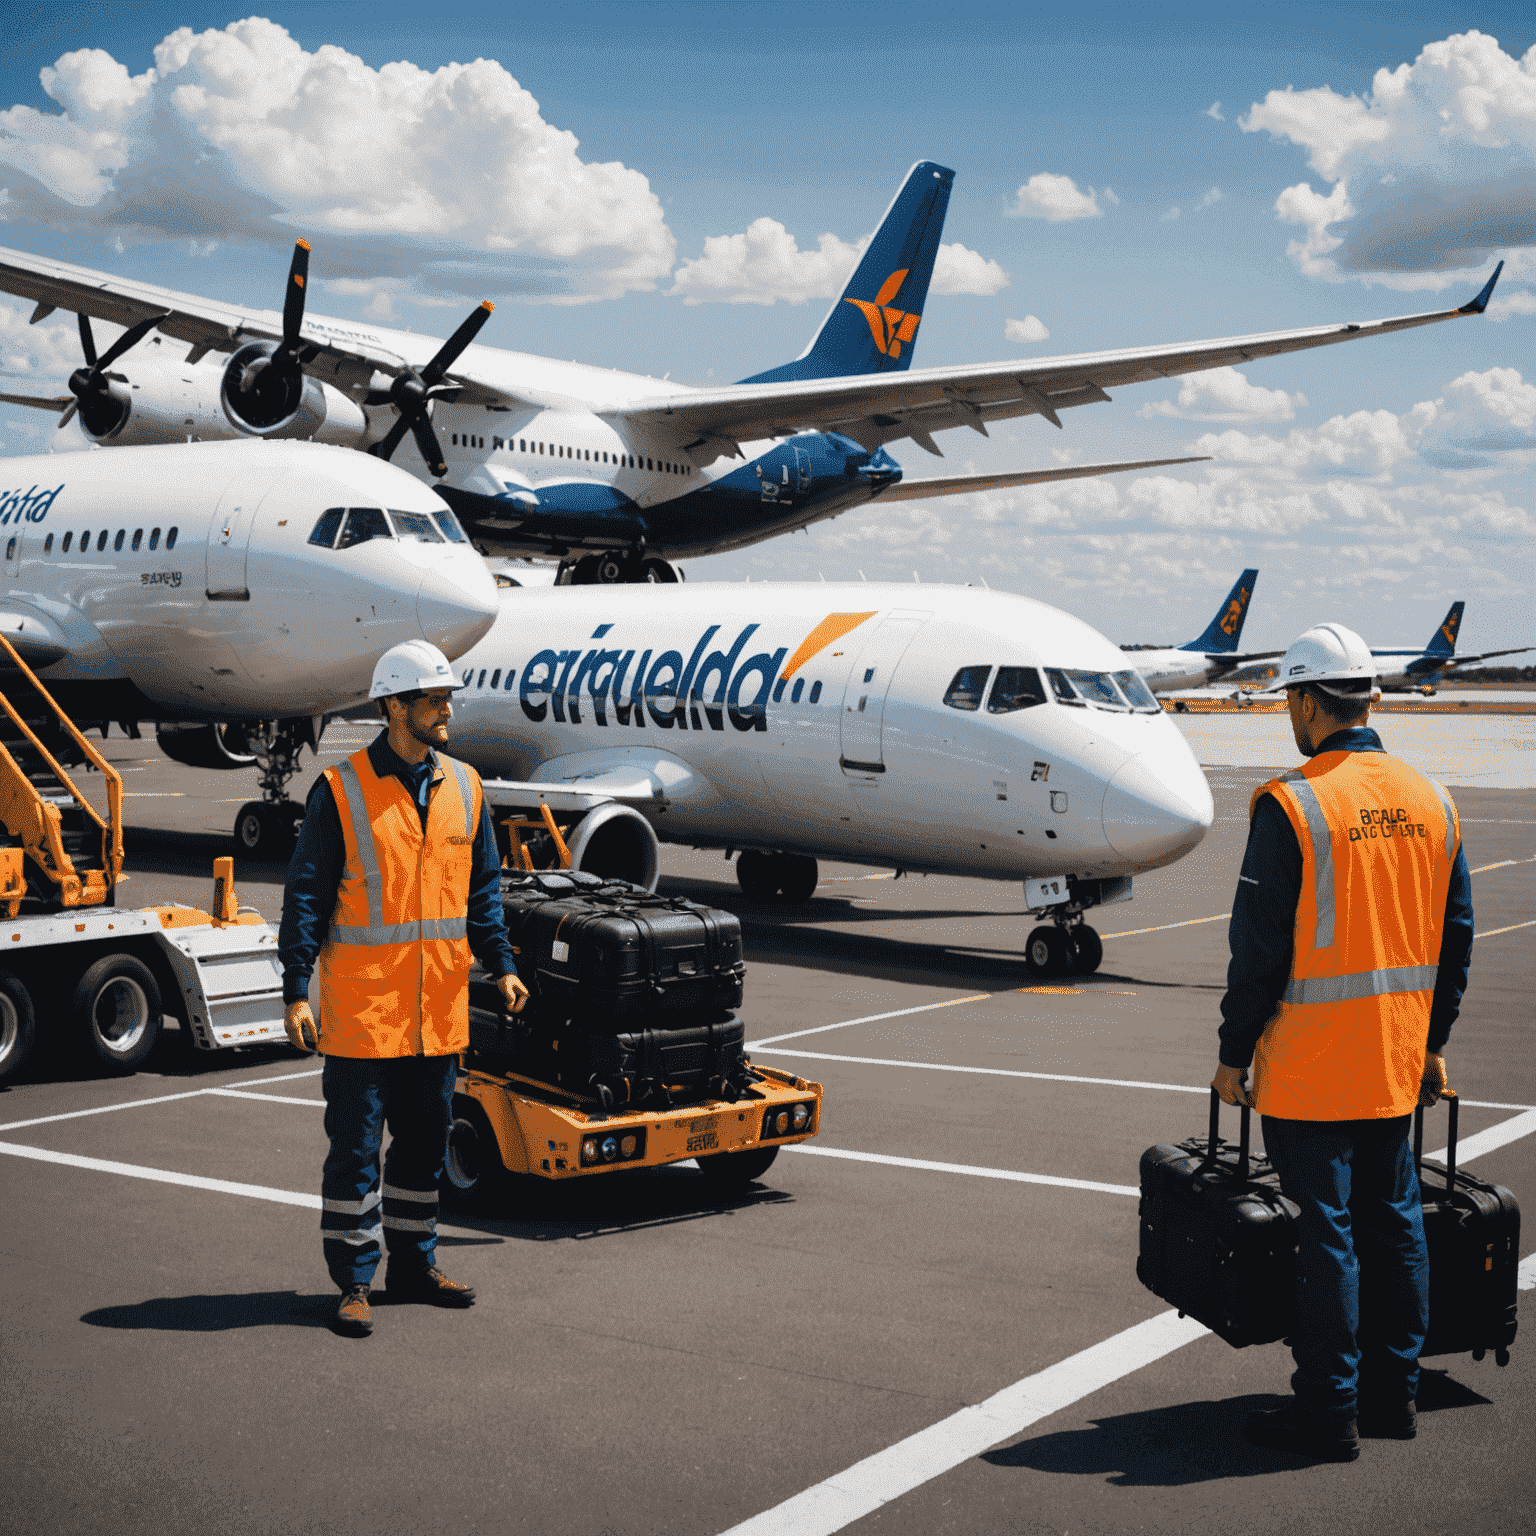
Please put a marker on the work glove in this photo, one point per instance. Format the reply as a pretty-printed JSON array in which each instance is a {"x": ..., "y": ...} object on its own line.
[
  {"x": 513, "y": 993},
  {"x": 1434, "y": 1082},
  {"x": 1231, "y": 1085},
  {"x": 303, "y": 1032}
]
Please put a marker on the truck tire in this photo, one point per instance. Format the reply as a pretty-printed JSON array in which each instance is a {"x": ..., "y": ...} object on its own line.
[
  {"x": 18, "y": 1024},
  {"x": 473, "y": 1172},
  {"x": 727, "y": 1171},
  {"x": 116, "y": 1012}
]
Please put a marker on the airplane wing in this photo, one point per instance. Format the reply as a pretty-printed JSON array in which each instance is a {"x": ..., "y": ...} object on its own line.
[
  {"x": 1242, "y": 659},
  {"x": 1463, "y": 661},
  {"x": 879, "y": 407},
  {"x": 334, "y": 352},
  {"x": 957, "y": 485}
]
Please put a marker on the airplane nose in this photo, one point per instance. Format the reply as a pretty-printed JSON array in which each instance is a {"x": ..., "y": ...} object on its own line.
[
  {"x": 1157, "y": 808},
  {"x": 456, "y": 605}
]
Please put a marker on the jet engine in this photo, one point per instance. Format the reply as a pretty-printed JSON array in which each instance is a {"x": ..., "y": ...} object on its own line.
[
  {"x": 205, "y": 746},
  {"x": 264, "y": 395},
  {"x": 616, "y": 842}
]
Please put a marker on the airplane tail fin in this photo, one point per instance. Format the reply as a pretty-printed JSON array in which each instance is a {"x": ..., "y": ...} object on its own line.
[
  {"x": 873, "y": 324},
  {"x": 1443, "y": 642},
  {"x": 1224, "y": 631}
]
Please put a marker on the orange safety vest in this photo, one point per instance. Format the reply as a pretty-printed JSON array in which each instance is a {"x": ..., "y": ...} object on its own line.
[
  {"x": 1377, "y": 840},
  {"x": 394, "y": 967}
]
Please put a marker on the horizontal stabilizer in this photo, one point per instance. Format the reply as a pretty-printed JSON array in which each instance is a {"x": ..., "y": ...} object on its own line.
[{"x": 957, "y": 485}]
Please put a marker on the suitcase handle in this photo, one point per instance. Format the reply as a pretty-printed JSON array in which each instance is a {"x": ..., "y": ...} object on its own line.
[
  {"x": 1243, "y": 1135},
  {"x": 1453, "y": 1104}
]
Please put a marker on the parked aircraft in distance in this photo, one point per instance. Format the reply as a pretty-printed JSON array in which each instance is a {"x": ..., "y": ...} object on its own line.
[
  {"x": 930, "y": 728},
  {"x": 236, "y": 591},
  {"x": 615, "y": 473},
  {"x": 1407, "y": 670},
  {"x": 1209, "y": 657}
]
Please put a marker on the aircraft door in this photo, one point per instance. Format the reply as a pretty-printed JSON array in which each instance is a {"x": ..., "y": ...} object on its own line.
[
  {"x": 802, "y": 472},
  {"x": 868, "y": 684},
  {"x": 229, "y": 538}
]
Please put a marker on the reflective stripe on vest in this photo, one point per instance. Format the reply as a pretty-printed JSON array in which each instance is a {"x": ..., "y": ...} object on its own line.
[
  {"x": 1322, "y": 856},
  {"x": 362, "y": 835},
  {"x": 402, "y": 933},
  {"x": 1343, "y": 989},
  {"x": 1450, "y": 819}
]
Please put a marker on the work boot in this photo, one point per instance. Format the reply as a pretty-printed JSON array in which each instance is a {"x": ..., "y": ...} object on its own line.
[
  {"x": 1389, "y": 1421},
  {"x": 354, "y": 1317},
  {"x": 1292, "y": 1428},
  {"x": 429, "y": 1284}
]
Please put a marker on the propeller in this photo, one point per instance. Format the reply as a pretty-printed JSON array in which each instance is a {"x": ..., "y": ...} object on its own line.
[
  {"x": 412, "y": 392},
  {"x": 89, "y": 384},
  {"x": 274, "y": 373}
]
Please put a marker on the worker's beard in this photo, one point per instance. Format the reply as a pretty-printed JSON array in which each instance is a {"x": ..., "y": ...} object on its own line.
[{"x": 434, "y": 735}]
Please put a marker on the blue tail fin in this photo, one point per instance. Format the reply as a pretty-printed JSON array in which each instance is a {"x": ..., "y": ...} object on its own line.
[
  {"x": 1443, "y": 642},
  {"x": 872, "y": 326},
  {"x": 1224, "y": 631}
]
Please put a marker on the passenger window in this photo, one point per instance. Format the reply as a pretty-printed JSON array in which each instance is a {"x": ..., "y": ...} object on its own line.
[
  {"x": 481, "y": 683},
  {"x": 450, "y": 527},
  {"x": 797, "y": 690},
  {"x": 416, "y": 525},
  {"x": 154, "y": 538},
  {"x": 10, "y": 547},
  {"x": 101, "y": 541},
  {"x": 64, "y": 547},
  {"x": 815, "y": 693},
  {"x": 511, "y": 678},
  {"x": 496, "y": 678},
  {"x": 48, "y": 545},
  {"x": 1064, "y": 691},
  {"x": 326, "y": 529},
  {"x": 138, "y": 538},
  {"x": 1134, "y": 686},
  {"x": 117, "y": 543},
  {"x": 966, "y": 691},
  {"x": 1015, "y": 688},
  {"x": 170, "y": 539},
  {"x": 363, "y": 524}
]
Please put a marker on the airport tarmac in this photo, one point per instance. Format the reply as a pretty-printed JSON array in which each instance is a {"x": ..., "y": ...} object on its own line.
[{"x": 927, "y": 1320}]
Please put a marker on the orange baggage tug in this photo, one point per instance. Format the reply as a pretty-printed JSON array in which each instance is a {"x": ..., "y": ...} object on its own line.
[{"x": 503, "y": 1122}]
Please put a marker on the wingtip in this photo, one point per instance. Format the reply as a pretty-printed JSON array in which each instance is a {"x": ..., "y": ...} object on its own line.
[{"x": 1480, "y": 303}]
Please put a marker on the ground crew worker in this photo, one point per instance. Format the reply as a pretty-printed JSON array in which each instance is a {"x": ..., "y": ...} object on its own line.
[
  {"x": 1351, "y": 934},
  {"x": 394, "y": 882}
]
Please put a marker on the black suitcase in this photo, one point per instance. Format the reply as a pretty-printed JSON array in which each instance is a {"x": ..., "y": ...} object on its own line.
[
  {"x": 1473, "y": 1232},
  {"x": 1217, "y": 1236},
  {"x": 636, "y": 1068},
  {"x": 618, "y": 957}
]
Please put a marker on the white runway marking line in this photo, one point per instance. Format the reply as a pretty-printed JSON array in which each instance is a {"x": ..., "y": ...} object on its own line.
[
  {"x": 1527, "y": 1273},
  {"x": 873, "y": 1018},
  {"x": 1131, "y": 933},
  {"x": 1008, "y": 1174},
  {"x": 164, "y": 1098},
  {"x": 1492, "y": 932},
  {"x": 263, "y": 1098}
]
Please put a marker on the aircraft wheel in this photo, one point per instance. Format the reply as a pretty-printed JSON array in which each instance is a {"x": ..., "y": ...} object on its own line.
[
  {"x": 116, "y": 1012},
  {"x": 1087, "y": 950},
  {"x": 655, "y": 569},
  {"x": 611, "y": 569},
  {"x": 798, "y": 876},
  {"x": 584, "y": 571},
  {"x": 265, "y": 833},
  {"x": 1047, "y": 952},
  {"x": 757, "y": 874},
  {"x": 18, "y": 1024},
  {"x": 729, "y": 1171}
]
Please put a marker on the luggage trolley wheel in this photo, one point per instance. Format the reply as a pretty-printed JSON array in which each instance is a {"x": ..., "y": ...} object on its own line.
[
  {"x": 116, "y": 1012},
  {"x": 1501, "y": 1357},
  {"x": 730, "y": 1171},
  {"x": 472, "y": 1169}
]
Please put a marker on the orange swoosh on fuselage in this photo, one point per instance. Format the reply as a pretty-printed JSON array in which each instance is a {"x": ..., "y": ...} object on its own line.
[{"x": 831, "y": 628}]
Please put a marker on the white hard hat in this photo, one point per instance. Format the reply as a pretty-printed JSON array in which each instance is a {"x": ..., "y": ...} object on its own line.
[
  {"x": 1326, "y": 654},
  {"x": 411, "y": 666}
]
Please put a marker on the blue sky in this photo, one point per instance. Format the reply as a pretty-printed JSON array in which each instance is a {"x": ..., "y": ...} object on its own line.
[{"x": 1371, "y": 484}]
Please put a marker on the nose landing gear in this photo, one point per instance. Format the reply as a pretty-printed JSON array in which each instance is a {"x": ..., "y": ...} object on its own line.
[
  {"x": 1071, "y": 948},
  {"x": 787, "y": 877},
  {"x": 265, "y": 829}
]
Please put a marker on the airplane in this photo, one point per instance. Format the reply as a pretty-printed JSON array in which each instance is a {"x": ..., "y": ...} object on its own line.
[
  {"x": 236, "y": 592},
  {"x": 615, "y": 474},
  {"x": 931, "y": 728},
  {"x": 1211, "y": 655}
]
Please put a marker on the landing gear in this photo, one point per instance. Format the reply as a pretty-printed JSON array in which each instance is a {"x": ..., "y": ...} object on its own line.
[
  {"x": 615, "y": 567},
  {"x": 265, "y": 829},
  {"x": 1074, "y": 950},
  {"x": 788, "y": 877}
]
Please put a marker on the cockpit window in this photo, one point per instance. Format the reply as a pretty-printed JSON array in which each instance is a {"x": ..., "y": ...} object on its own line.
[
  {"x": 1015, "y": 688},
  {"x": 450, "y": 527},
  {"x": 966, "y": 691},
  {"x": 1062, "y": 688},
  {"x": 363, "y": 523},
  {"x": 328, "y": 527},
  {"x": 1134, "y": 687},
  {"x": 1084, "y": 688},
  {"x": 416, "y": 525}
]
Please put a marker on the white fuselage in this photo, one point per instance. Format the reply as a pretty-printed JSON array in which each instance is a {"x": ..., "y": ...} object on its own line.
[
  {"x": 815, "y": 722},
  {"x": 1165, "y": 671},
  {"x": 188, "y": 572}
]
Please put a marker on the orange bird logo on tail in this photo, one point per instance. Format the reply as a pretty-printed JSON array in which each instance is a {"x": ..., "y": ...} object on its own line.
[
  {"x": 1234, "y": 614},
  {"x": 890, "y": 327}
]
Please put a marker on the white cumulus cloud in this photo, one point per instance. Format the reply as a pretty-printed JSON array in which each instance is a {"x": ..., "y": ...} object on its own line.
[
  {"x": 1432, "y": 173},
  {"x": 449, "y": 178},
  {"x": 1224, "y": 394},
  {"x": 765, "y": 264},
  {"x": 1029, "y": 329},
  {"x": 1505, "y": 306},
  {"x": 1056, "y": 199}
]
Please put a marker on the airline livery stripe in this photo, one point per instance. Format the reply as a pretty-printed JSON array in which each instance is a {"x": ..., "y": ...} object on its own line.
[{"x": 831, "y": 628}]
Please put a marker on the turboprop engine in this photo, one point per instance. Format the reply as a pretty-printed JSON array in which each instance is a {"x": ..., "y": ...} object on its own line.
[{"x": 264, "y": 394}]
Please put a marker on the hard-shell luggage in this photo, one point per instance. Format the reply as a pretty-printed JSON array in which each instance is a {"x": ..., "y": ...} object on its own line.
[
  {"x": 1473, "y": 1232},
  {"x": 618, "y": 957},
  {"x": 1217, "y": 1236},
  {"x": 648, "y": 1066}
]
